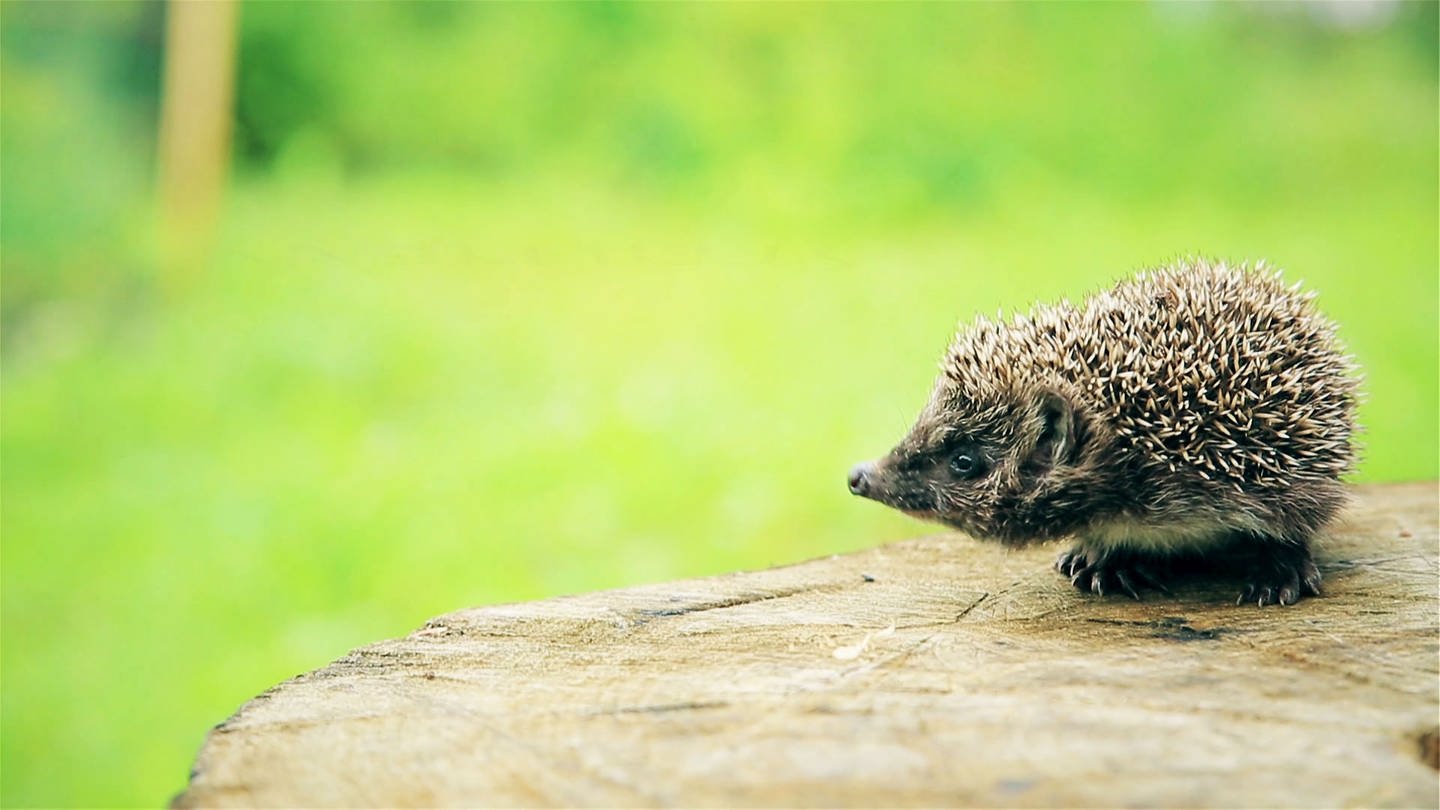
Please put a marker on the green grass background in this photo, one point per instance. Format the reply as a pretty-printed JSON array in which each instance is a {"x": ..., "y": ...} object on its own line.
[{"x": 513, "y": 301}]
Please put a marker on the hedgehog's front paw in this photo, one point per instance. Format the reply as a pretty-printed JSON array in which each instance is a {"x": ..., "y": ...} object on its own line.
[
  {"x": 1102, "y": 572},
  {"x": 1285, "y": 576}
]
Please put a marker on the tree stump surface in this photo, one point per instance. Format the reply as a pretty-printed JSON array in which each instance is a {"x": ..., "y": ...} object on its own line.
[{"x": 936, "y": 671}]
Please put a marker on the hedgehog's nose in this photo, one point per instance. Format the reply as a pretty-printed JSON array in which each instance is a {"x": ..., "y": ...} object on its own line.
[{"x": 860, "y": 477}]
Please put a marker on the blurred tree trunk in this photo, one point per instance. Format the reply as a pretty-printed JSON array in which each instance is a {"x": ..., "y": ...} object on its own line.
[{"x": 195, "y": 116}]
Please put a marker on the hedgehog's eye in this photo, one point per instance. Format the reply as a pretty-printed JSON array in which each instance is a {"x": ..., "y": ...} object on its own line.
[{"x": 966, "y": 463}]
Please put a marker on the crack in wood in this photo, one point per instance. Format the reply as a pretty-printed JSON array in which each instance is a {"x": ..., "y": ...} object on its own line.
[
  {"x": 1170, "y": 628},
  {"x": 664, "y": 708},
  {"x": 721, "y": 604}
]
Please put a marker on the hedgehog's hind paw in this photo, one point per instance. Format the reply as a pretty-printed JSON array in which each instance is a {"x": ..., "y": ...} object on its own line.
[
  {"x": 1284, "y": 577},
  {"x": 1101, "y": 572}
]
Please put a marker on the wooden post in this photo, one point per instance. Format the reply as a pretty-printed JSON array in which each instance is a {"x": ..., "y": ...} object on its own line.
[
  {"x": 933, "y": 672},
  {"x": 195, "y": 117}
]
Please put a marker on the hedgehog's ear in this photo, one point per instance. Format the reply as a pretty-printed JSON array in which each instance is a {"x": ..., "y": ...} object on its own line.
[{"x": 1059, "y": 434}]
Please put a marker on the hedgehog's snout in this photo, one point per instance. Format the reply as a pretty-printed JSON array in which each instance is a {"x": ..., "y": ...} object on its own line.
[{"x": 860, "y": 476}]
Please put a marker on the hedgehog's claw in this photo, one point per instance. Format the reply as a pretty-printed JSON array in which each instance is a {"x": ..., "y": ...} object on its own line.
[
  {"x": 1290, "y": 591},
  {"x": 1310, "y": 577},
  {"x": 1287, "y": 576},
  {"x": 1125, "y": 583},
  {"x": 1101, "y": 573},
  {"x": 1069, "y": 562},
  {"x": 1149, "y": 580},
  {"x": 1261, "y": 595}
]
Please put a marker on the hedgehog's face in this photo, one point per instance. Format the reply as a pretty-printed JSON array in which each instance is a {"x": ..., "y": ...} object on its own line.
[{"x": 976, "y": 463}]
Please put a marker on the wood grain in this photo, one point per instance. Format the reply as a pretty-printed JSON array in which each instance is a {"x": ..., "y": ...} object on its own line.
[{"x": 938, "y": 671}]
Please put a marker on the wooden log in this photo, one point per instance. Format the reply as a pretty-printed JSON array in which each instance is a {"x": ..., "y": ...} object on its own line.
[{"x": 938, "y": 671}]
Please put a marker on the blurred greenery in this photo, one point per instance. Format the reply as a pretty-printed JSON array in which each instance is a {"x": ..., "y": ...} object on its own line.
[{"x": 519, "y": 300}]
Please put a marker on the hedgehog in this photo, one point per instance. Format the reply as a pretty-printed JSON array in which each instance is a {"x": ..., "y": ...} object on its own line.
[{"x": 1195, "y": 413}]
